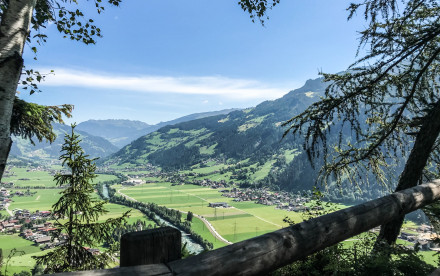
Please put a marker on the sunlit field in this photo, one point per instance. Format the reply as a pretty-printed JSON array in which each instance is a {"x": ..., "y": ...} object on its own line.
[{"x": 242, "y": 221}]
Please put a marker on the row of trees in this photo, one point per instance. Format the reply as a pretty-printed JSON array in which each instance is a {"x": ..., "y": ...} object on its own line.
[
  {"x": 115, "y": 238},
  {"x": 152, "y": 210}
]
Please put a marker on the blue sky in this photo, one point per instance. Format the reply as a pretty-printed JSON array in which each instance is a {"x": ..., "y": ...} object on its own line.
[{"x": 159, "y": 60}]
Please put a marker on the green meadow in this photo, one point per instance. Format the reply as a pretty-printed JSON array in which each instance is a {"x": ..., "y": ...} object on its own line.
[
  {"x": 25, "y": 177},
  {"x": 42, "y": 200},
  {"x": 104, "y": 177},
  {"x": 22, "y": 259},
  {"x": 199, "y": 227},
  {"x": 45, "y": 198},
  {"x": 115, "y": 210},
  {"x": 242, "y": 221}
]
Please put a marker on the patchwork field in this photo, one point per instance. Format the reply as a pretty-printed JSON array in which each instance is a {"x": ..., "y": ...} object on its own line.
[
  {"x": 42, "y": 200},
  {"x": 22, "y": 259},
  {"x": 28, "y": 178},
  {"x": 243, "y": 220}
]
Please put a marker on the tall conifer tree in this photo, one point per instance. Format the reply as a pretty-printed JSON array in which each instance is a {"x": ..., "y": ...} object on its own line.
[{"x": 77, "y": 212}]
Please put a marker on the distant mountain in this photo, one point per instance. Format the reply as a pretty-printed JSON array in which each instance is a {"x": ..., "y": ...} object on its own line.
[
  {"x": 117, "y": 132},
  {"x": 246, "y": 147},
  {"x": 93, "y": 145},
  {"x": 253, "y": 135},
  {"x": 122, "y": 132}
]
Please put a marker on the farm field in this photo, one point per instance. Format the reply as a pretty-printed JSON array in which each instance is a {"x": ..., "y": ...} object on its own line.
[
  {"x": 115, "y": 210},
  {"x": 104, "y": 177},
  {"x": 42, "y": 200},
  {"x": 25, "y": 177},
  {"x": 22, "y": 260},
  {"x": 242, "y": 221},
  {"x": 200, "y": 228},
  {"x": 45, "y": 198}
]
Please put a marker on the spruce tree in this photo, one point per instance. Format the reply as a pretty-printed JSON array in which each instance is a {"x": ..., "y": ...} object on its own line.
[
  {"x": 76, "y": 214},
  {"x": 189, "y": 216}
]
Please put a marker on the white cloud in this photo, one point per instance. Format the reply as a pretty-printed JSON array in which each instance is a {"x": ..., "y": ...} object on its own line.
[
  {"x": 205, "y": 102},
  {"x": 205, "y": 85}
]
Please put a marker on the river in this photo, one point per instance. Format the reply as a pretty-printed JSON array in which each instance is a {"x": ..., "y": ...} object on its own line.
[{"x": 191, "y": 245}]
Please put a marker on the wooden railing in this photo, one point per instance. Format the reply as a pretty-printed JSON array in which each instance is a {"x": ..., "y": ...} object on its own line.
[{"x": 273, "y": 250}]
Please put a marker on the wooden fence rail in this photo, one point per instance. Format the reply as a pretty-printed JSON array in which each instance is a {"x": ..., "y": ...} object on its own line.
[{"x": 270, "y": 251}]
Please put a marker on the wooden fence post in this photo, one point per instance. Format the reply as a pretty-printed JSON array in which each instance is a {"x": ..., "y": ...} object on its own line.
[{"x": 154, "y": 246}]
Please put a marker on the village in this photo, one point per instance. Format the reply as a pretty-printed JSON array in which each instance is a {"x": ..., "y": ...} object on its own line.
[
  {"x": 33, "y": 226},
  {"x": 37, "y": 227},
  {"x": 282, "y": 200},
  {"x": 422, "y": 235}
]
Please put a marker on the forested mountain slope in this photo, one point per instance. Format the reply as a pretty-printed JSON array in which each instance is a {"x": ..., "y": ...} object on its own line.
[
  {"x": 122, "y": 132},
  {"x": 245, "y": 147},
  {"x": 253, "y": 135}
]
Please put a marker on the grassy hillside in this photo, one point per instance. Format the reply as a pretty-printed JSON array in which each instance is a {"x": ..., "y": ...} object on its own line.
[
  {"x": 253, "y": 133},
  {"x": 122, "y": 132},
  {"x": 252, "y": 138}
]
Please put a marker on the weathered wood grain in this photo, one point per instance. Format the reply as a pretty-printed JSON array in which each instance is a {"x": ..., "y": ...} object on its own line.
[
  {"x": 153, "y": 246},
  {"x": 268, "y": 252},
  {"x": 144, "y": 270}
]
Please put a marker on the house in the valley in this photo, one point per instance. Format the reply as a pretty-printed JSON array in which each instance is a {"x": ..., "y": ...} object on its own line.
[
  {"x": 219, "y": 205},
  {"x": 43, "y": 240}
]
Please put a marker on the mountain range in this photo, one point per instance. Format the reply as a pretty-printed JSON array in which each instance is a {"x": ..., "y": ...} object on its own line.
[
  {"x": 253, "y": 136},
  {"x": 94, "y": 146},
  {"x": 100, "y": 138},
  {"x": 122, "y": 132},
  {"x": 245, "y": 147}
]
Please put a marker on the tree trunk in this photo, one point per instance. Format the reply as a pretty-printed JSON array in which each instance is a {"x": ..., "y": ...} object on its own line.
[
  {"x": 14, "y": 30},
  {"x": 412, "y": 173}
]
